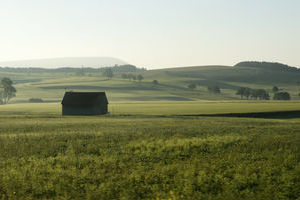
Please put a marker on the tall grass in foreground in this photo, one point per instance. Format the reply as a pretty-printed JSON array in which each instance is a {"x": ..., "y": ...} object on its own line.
[{"x": 148, "y": 158}]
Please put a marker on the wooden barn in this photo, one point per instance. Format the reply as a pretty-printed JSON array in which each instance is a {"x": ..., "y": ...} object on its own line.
[{"x": 84, "y": 103}]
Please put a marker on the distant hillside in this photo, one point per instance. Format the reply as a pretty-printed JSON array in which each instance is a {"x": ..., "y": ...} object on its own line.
[
  {"x": 243, "y": 72},
  {"x": 171, "y": 84},
  {"x": 267, "y": 65},
  {"x": 74, "y": 62}
]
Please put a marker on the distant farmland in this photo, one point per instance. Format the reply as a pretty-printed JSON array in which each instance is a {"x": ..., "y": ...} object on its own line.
[{"x": 172, "y": 84}]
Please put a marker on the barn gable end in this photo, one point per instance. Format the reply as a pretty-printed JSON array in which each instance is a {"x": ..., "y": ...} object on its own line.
[{"x": 84, "y": 103}]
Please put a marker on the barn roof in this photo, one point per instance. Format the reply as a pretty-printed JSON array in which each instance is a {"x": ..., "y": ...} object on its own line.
[{"x": 84, "y": 98}]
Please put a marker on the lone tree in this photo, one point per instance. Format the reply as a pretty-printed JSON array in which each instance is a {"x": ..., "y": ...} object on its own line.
[
  {"x": 192, "y": 86},
  {"x": 214, "y": 89},
  {"x": 140, "y": 77},
  {"x": 108, "y": 72},
  {"x": 282, "y": 96},
  {"x": 7, "y": 90},
  {"x": 275, "y": 89}
]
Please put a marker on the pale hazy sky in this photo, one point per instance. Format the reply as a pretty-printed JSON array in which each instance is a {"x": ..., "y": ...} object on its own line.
[{"x": 152, "y": 33}]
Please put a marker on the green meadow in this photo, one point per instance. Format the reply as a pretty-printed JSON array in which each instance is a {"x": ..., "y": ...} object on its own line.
[
  {"x": 153, "y": 144},
  {"x": 146, "y": 150},
  {"x": 172, "y": 83}
]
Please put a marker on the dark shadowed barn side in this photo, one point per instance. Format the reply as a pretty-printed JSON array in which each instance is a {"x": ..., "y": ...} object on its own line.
[{"x": 84, "y": 103}]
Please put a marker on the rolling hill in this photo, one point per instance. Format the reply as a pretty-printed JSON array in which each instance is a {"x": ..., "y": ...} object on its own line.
[
  {"x": 259, "y": 73},
  {"x": 50, "y": 85}
]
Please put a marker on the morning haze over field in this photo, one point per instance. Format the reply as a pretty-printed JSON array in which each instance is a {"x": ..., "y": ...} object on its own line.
[
  {"x": 139, "y": 99},
  {"x": 152, "y": 34}
]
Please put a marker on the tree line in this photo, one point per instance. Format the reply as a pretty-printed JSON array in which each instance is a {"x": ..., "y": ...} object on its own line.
[{"x": 83, "y": 70}]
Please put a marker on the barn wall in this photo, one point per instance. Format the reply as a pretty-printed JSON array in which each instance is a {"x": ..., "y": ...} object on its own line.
[
  {"x": 104, "y": 108},
  {"x": 92, "y": 110}
]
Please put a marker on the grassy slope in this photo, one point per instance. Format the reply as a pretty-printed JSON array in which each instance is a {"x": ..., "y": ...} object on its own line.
[{"x": 173, "y": 84}]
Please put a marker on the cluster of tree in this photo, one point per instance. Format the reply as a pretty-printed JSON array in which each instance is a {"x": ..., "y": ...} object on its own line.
[
  {"x": 280, "y": 95},
  {"x": 7, "y": 90},
  {"x": 214, "y": 89},
  {"x": 253, "y": 93},
  {"x": 262, "y": 94},
  {"x": 133, "y": 77},
  {"x": 244, "y": 92}
]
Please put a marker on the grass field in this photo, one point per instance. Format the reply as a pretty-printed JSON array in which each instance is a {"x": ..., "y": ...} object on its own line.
[
  {"x": 160, "y": 108},
  {"x": 172, "y": 84},
  {"x": 143, "y": 151}
]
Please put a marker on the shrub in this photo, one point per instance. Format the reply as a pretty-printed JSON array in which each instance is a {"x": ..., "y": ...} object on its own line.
[
  {"x": 214, "y": 89},
  {"x": 192, "y": 86},
  {"x": 155, "y": 82},
  {"x": 35, "y": 100}
]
